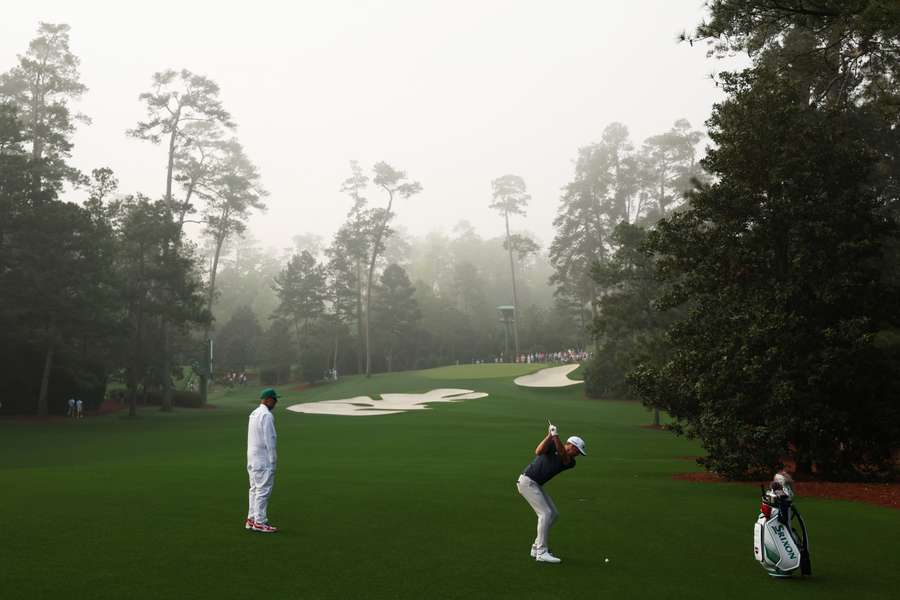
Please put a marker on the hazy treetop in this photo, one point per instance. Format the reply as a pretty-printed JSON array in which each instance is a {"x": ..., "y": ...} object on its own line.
[{"x": 455, "y": 93}]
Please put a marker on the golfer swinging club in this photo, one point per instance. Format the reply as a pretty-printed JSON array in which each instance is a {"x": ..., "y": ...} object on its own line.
[
  {"x": 551, "y": 457},
  {"x": 261, "y": 459}
]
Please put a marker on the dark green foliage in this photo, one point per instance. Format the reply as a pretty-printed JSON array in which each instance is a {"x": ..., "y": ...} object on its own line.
[
  {"x": 346, "y": 273},
  {"x": 315, "y": 365},
  {"x": 787, "y": 264},
  {"x": 301, "y": 292},
  {"x": 41, "y": 85},
  {"x": 57, "y": 285},
  {"x": 447, "y": 333},
  {"x": 844, "y": 52},
  {"x": 460, "y": 280},
  {"x": 395, "y": 317},
  {"x": 781, "y": 264},
  {"x": 95, "y": 289},
  {"x": 14, "y": 180},
  {"x": 629, "y": 329},
  {"x": 277, "y": 352},
  {"x": 159, "y": 290},
  {"x": 237, "y": 341},
  {"x": 231, "y": 188},
  {"x": 72, "y": 376},
  {"x": 317, "y": 350},
  {"x": 184, "y": 109},
  {"x": 395, "y": 183},
  {"x": 49, "y": 250},
  {"x": 178, "y": 101},
  {"x": 548, "y": 328},
  {"x": 668, "y": 168},
  {"x": 614, "y": 183}
]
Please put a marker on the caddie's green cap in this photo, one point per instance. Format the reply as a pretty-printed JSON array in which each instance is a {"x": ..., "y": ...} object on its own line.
[{"x": 268, "y": 393}]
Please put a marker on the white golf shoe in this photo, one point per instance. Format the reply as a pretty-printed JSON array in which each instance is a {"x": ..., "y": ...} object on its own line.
[
  {"x": 533, "y": 551},
  {"x": 545, "y": 556}
]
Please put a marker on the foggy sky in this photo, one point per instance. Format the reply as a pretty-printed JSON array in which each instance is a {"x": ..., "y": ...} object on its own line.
[{"x": 456, "y": 93}]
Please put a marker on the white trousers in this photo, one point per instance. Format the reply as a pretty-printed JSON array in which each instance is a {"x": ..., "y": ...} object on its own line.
[
  {"x": 543, "y": 507},
  {"x": 261, "y": 481}
]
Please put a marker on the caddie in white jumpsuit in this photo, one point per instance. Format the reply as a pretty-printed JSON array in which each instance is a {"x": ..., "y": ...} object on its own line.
[
  {"x": 261, "y": 459},
  {"x": 551, "y": 458}
]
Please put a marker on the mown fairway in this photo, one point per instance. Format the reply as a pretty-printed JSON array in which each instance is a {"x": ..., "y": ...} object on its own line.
[{"x": 417, "y": 505}]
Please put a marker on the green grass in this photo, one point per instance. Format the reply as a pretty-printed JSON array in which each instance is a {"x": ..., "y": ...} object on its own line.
[{"x": 417, "y": 505}]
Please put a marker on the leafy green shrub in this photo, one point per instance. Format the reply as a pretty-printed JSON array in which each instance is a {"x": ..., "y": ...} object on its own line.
[{"x": 603, "y": 377}]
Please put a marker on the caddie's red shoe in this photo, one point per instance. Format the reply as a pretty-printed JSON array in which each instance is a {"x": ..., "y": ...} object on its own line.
[
  {"x": 264, "y": 528},
  {"x": 249, "y": 523}
]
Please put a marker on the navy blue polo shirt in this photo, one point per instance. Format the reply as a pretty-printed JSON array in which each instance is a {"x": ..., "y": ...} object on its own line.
[{"x": 546, "y": 466}]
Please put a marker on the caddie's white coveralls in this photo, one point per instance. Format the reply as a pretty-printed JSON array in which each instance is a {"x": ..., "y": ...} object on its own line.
[{"x": 261, "y": 459}]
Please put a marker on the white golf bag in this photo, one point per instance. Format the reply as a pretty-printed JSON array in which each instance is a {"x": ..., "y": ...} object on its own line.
[{"x": 779, "y": 547}]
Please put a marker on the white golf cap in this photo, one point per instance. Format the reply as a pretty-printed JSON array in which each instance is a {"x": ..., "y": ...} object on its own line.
[{"x": 578, "y": 443}]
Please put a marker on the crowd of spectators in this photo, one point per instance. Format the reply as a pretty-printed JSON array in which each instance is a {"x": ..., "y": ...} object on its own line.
[{"x": 568, "y": 356}]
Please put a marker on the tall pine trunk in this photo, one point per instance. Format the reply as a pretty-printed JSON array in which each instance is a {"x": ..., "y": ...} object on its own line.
[
  {"x": 170, "y": 167},
  {"x": 220, "y": 240},
  {"x": 387, "y": 216},
  {"x": 360, "y": 333},
  {"x": 334, "y": 363},
  {"x": 170, "y": 211},
  {"x": 131, "y": 385},
  {"x": 594, "y": 315},
  {"x": 206, "y": 365},
  {"x": 166, "y": 367},
  {"x": 299, "y": 344},
  {"x": 583, "y": 332},
  {"x": 37, "y": 149},
  {"x": 45, "y": 375},
  {"x": 165, "y": 349},
  {"x": 131, "y": 376},
  {"x": 136, "y": 362},
  {"x": 36, "y": 157},
  {"x": 512, "y": 271}
]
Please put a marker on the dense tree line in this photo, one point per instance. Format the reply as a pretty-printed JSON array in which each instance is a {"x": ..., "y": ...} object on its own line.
[
  {"x": 111, "y": 287},
  {"x": 761, "y": 312},
  {"x": 750, "y": 292},
  {"x": 601, "y": 276},
  {"x": 121, "y": 287},
  {"x": 433, "y": 299}
]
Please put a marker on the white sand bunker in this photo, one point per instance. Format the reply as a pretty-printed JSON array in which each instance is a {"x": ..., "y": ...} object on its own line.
[
  {"x": 390, "y": 404},
  {"x": 549, "y": 378}
]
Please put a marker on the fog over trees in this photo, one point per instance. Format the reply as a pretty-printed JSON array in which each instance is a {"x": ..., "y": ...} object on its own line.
[{"x": 740, "y": 275}]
